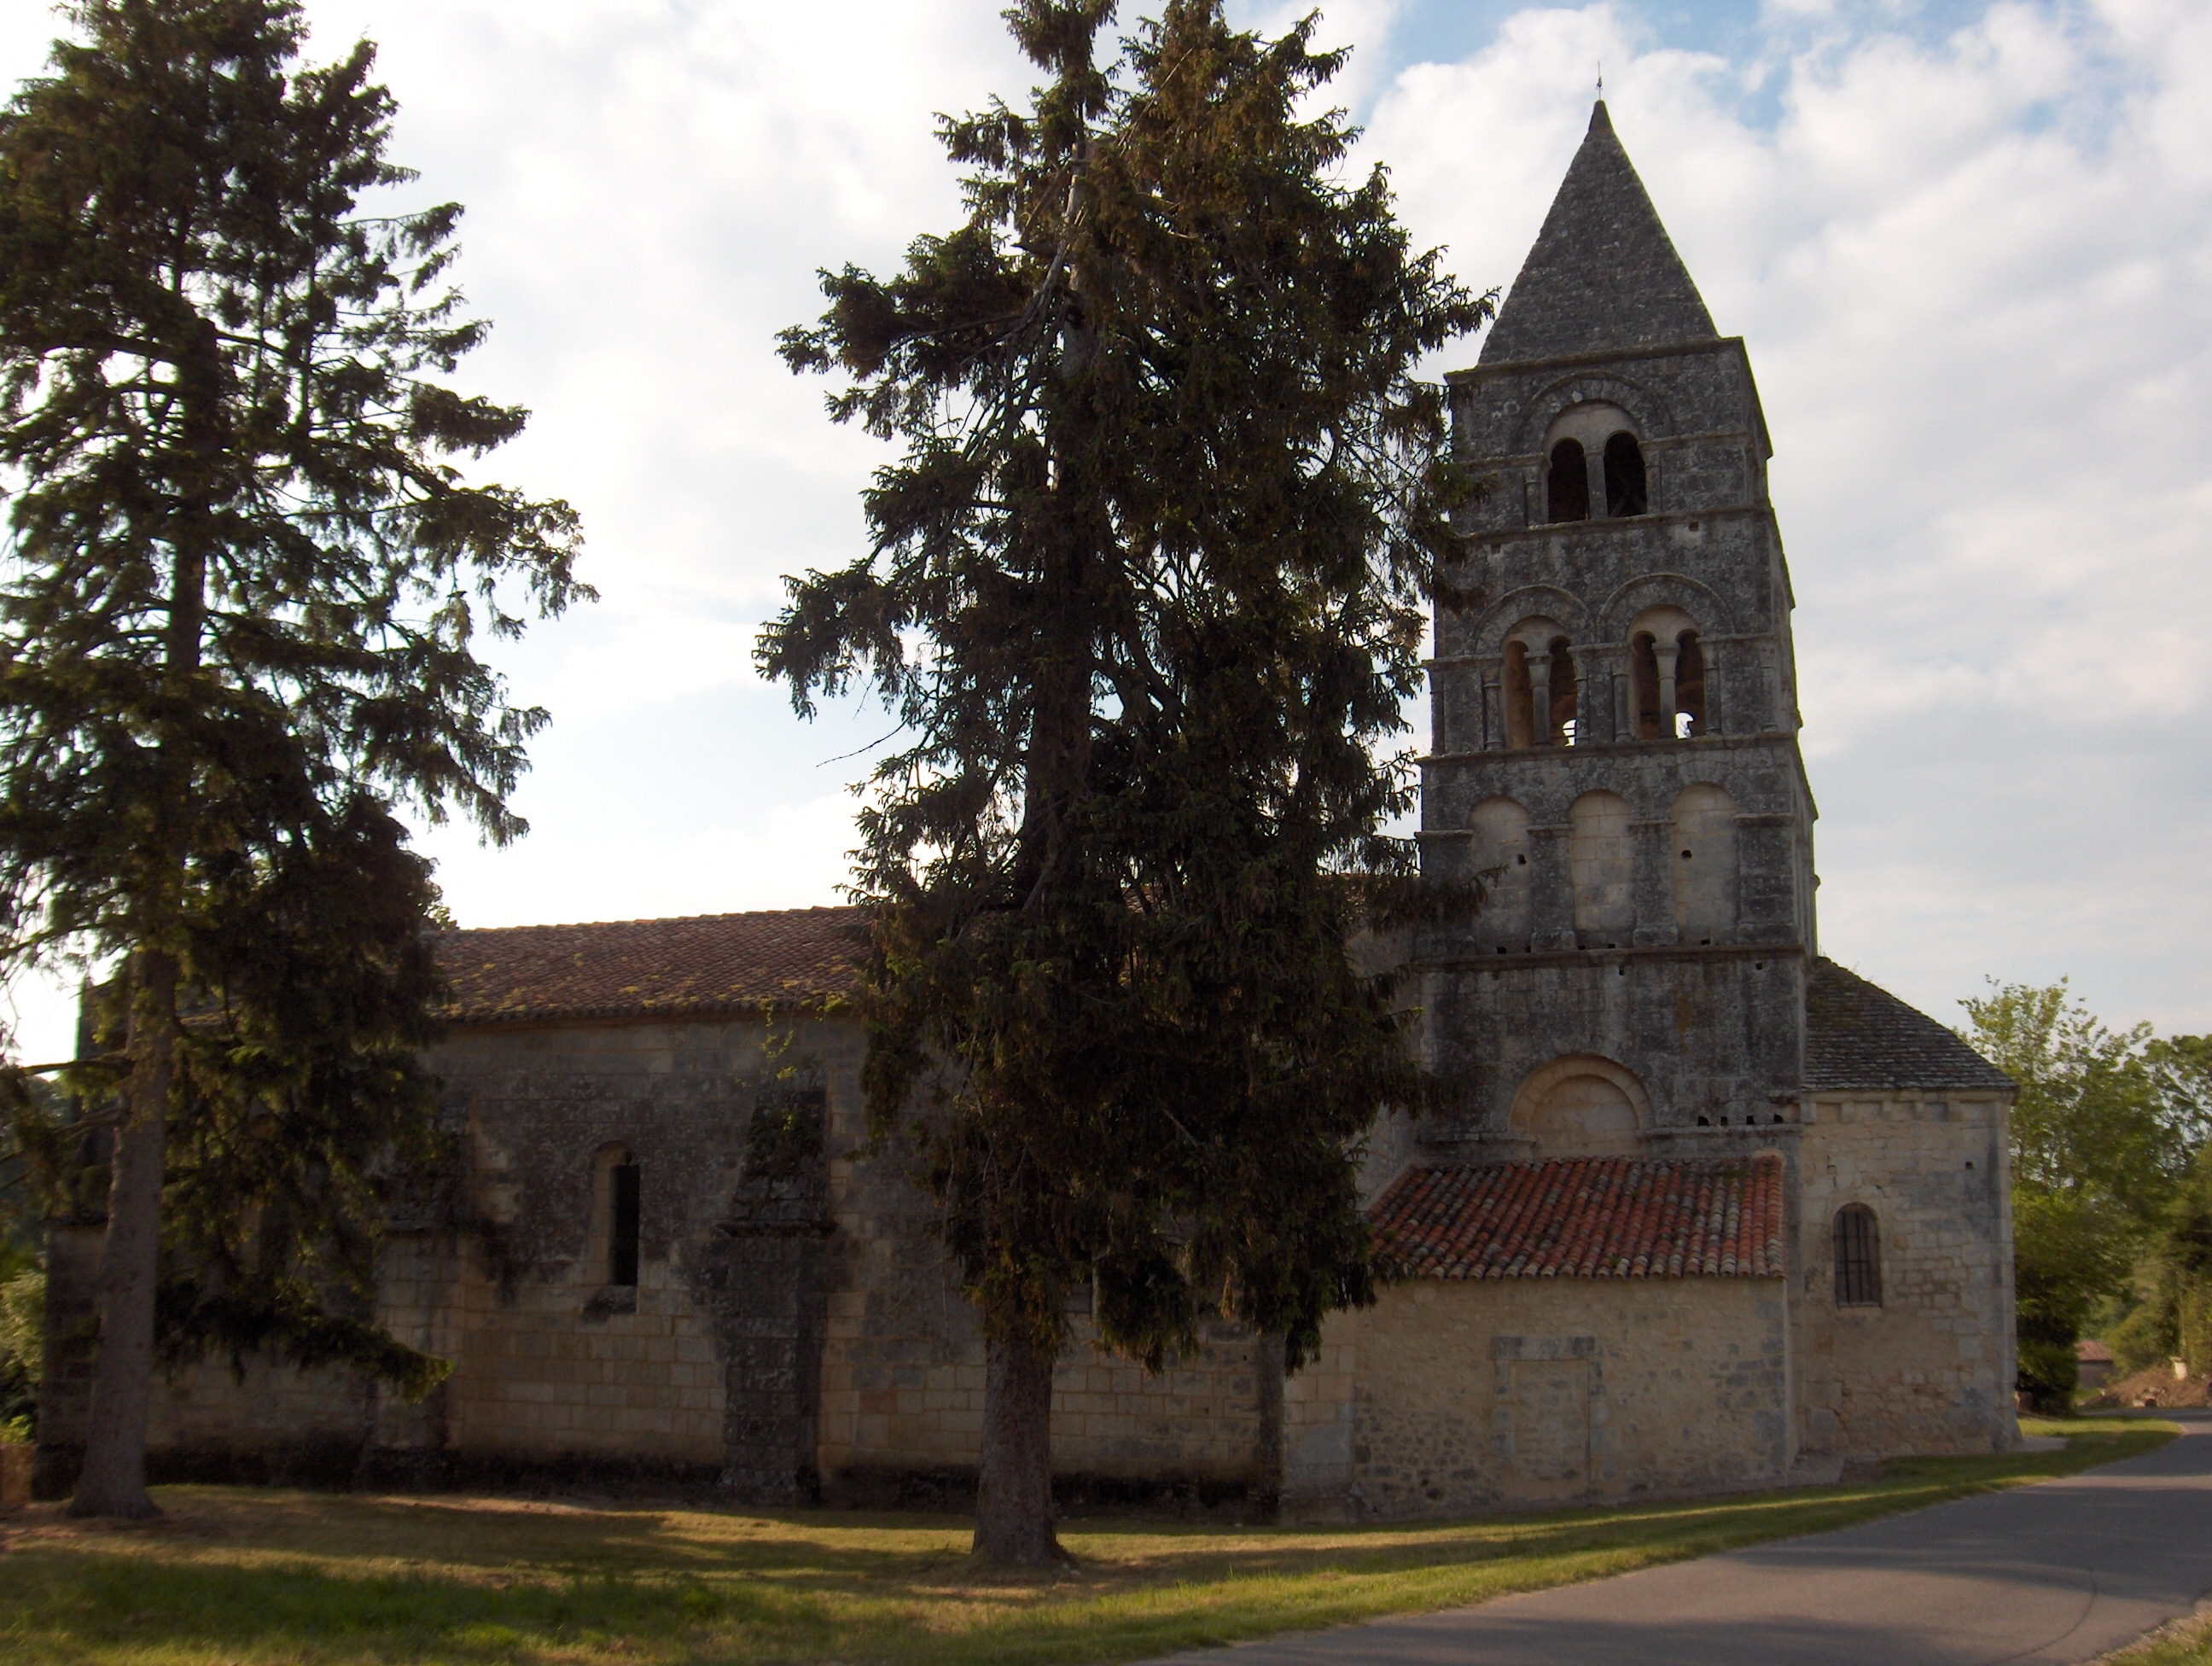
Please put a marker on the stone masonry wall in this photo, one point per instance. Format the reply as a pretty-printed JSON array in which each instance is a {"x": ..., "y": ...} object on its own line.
[
  {"x": 1931, "y": 1370},
  {"x": 793, "y": 1321},
  {"x": 903, "y": 1371},
  {"x": 708, "y": 1368},
  {"x": 1450, "y": 1396}
]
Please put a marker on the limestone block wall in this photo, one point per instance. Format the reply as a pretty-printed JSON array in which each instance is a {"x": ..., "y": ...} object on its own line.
[
  {"x": 1449, "y": 1396},
  {"x": 1931, "y": 1370},
  {"x": 708, "y": 1366},
  {"x": 901, "y": 1397},
  {"x": 710, "y": 1363}
]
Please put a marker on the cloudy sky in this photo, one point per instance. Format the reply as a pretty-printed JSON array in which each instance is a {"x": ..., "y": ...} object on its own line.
[{"x": 1970, "y": 246}]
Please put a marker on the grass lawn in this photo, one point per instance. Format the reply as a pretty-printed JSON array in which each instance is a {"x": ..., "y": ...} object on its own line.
[{"x": 257, "y": 1577}]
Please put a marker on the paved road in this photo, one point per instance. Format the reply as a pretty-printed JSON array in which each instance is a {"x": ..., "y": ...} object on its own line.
[{"x": 2057, "y": 1572}]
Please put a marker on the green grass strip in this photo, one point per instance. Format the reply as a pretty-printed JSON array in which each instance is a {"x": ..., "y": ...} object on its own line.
[{"x": 243, "y": 1577}]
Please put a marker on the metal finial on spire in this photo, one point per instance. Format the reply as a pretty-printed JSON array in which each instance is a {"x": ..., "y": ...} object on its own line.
[{"x": 1601, "y": 78}]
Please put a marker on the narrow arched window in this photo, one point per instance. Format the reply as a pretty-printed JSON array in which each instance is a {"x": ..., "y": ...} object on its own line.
[
  {"x": 1566, "y": 492},
  {"x": 1624, "y": 492},
  {"x": 622, "y": 1225},
  {"x": 1560, "y": 730},
  {"x": 1515, "y": 686},
  {"x": 1643, "y": 686},
  {"x": 1690, "y": 686},
  {"x": 1858, "y": 1257}
]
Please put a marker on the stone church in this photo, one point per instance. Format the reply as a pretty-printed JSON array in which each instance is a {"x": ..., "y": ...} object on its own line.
[{"x": 1708, "y": 1212}]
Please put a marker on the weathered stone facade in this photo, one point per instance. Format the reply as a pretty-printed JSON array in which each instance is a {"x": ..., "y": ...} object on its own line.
[
  {"x": 667, "y": 1249},
  {"x": 1449, "y": 1397}
]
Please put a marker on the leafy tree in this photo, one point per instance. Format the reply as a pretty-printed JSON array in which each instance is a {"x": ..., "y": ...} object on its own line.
[
  {"x": 2099, "y": 1146},
  {"x": 2165, "y": 1310},
  {"x": 1145, "y": 588},
  {"x": 244, "y": 580}
]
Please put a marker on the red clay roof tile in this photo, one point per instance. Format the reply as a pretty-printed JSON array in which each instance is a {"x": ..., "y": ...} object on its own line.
[
  {"x": 694, "y": 967},
  {"x": 1585, "y": 1217}
]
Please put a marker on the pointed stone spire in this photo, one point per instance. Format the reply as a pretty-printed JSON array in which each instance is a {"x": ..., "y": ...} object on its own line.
[{"x": 1603, "y": 274}]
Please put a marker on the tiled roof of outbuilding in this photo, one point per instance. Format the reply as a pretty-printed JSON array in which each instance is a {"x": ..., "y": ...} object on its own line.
[
  {"x": 692, "y": 967},
  {"x": 1585, "y": 1217},
  {"x": 1858, "y": 1035}
]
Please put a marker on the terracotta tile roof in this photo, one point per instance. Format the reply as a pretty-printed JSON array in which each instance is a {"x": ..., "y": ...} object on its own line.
[
  {"x": 1857, "y": 1036},
  {"x": 1585, "y": 1217},
  {"x": 693, "y": 967},
  {"x": 2090, "y": 1351}
]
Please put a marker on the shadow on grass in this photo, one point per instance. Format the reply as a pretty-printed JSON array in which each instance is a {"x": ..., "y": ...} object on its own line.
[{"x": 237, "y": 1575}]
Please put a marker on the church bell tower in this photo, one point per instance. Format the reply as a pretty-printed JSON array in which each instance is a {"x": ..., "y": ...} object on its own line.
[{"x": 1615, "y": 741}]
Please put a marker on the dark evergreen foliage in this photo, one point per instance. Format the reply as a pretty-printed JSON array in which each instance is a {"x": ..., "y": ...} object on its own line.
[
  {"x": 1146, "y": 590},
  {"x": 243, "y": 583}
]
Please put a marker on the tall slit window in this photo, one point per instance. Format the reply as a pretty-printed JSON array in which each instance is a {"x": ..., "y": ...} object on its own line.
[
  {"x": 1690, "y": 687},
  {"x": 1566, "y": 491},
  {"x": 1559, "y": 729},
  {"x": 1858, "y": 1257},
  {"x": 621, "y": 1224},
  {"x": 1643, "y": 686},
  {"x": 1625, "y": 490},
  {"x": 1518, "y": 688}
]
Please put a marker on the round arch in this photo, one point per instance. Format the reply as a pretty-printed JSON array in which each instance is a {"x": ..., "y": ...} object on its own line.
[{"x": 1582, "y": 1104}]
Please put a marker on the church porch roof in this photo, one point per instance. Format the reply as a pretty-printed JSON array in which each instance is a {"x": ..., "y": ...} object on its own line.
[
  {"x": 1585, "y": 1217},
  {"x": 1857, "y": 1036}
]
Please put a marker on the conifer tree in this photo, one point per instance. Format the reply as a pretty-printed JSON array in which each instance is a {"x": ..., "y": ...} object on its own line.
[
  {"x": 243, "y": 580},
  {"x": 1145, "y": 587}
]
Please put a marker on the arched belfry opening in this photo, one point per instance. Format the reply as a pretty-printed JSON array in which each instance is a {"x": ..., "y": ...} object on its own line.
[
  {"x": 1689, "y": 686},
  {"x": 1594, "y": 466},
  {"x": 1626, "y": 490},
  {"x": 1566, "y": 489},
  {"x": 1538, "y": 685},
  {"x": 1559, "y": 729},
  {"x": 1667, "y": 676}
]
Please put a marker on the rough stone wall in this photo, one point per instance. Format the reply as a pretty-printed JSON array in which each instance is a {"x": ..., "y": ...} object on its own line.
[
  {"x": 1456, "y": 1396},
  {"x": 1931, "y": 1369}
]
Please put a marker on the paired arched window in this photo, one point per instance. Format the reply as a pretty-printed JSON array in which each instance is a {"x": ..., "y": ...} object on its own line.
[
  {"x": 1594, "y": 465},
  {"x": 1667, "y": 676},
  {"x": 1538, "y": 685},
  {"x": 1858, "y": 1257}
]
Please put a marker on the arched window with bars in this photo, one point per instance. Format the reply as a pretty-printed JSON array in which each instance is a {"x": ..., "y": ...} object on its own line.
[{"x": 1858, "y": 1257}]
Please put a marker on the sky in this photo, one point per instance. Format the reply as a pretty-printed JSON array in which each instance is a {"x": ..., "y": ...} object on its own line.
[{"x": 1969, "y": 248}]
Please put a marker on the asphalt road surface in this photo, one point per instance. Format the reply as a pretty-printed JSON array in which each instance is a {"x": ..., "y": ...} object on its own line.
[{"x": 2063, "y": 1571}]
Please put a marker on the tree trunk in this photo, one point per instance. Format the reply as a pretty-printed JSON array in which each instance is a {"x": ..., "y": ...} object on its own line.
[
  {"x": 114, "y": 1481},
  {"x": 1013, "y": 1491}
]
